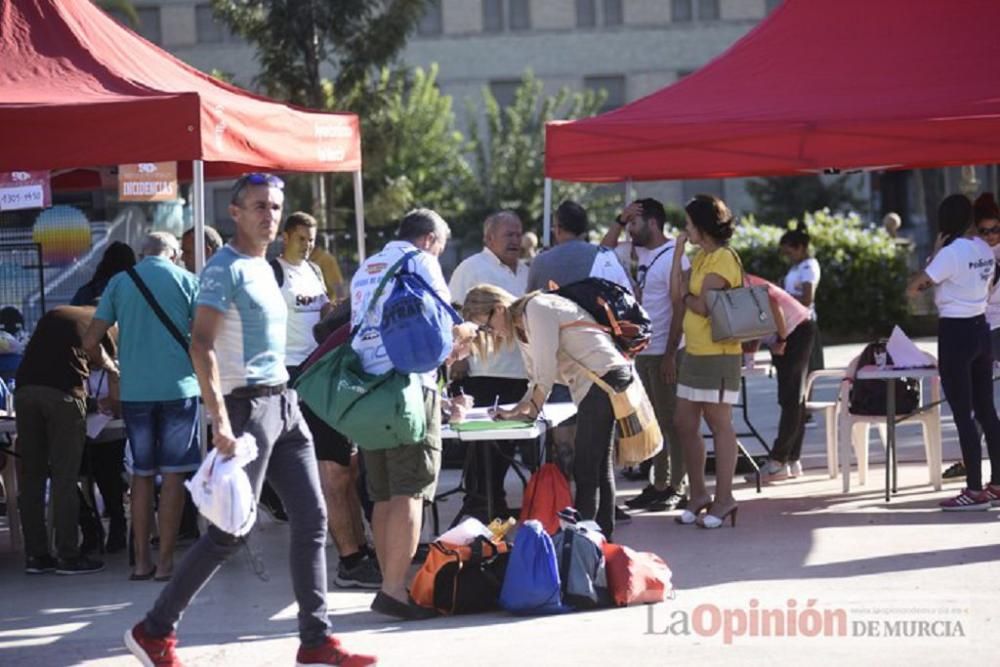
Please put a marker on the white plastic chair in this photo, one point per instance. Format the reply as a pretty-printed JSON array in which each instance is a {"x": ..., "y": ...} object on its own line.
[
  {"x": 829, "y": 411},
  {"x": 853, "y": 431}
]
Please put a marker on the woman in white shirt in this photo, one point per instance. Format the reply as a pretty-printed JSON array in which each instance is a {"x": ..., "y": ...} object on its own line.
[
  {"x": 802, "y": 280},
  {"x": 987, "y": 216},
  {"x": 962, "y": 269}
]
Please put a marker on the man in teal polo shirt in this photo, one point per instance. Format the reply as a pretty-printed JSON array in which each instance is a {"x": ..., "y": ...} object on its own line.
[{"x": 159, "y": 390}]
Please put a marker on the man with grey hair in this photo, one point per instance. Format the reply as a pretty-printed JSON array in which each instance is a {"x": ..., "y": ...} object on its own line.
[
  {"x": 503, "y": 373},
  {"x": 153, "y": 305},
  {"x": 213, "y": 241},
  {"x": 401, "y": 477}
]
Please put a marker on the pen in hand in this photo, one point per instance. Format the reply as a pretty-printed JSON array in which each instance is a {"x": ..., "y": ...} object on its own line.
[{"x": 496, "y": 404}]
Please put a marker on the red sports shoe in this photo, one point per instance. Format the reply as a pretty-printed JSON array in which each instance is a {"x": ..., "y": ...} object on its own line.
[
  {"x": 967, "y": 501},
  {"x": 152, "y": 651},
  {"x": 331, "y": 653}
]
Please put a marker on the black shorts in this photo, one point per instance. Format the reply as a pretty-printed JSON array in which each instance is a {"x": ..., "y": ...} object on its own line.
[{"x": 330, "y": 444}]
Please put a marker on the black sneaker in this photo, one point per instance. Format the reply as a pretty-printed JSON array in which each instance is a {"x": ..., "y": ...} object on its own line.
[
  {"x": 79, "y": 565},
  {"x": 956, "y": 469},
  {"x": 671, "y": 502},
  {"x": 621, "y": 516},
  {"x": 649, "y": 496},
  {"x": 363, "y": 575},
  {"x": 405, "y": 611},
  {"x": 40, "y": 564}
]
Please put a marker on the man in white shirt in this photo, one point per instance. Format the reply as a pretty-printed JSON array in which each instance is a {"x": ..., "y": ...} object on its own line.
[
  {"x": 501, "y": 377},
  {"x": 303, "y": 288},
  {"x": 644, "y": 220},
  {"x": 401, "y": 478}
]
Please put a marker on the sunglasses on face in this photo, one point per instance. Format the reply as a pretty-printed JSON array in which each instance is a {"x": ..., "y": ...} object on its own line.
[
  {"x": 255, "y": 178},
  {"x": 989, "y": 231}
]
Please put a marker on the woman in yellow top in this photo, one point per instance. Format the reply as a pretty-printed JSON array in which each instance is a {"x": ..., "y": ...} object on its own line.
[{"x": 708, "y": 375}]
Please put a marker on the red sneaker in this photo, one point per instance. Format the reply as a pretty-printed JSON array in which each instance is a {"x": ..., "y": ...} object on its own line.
[
  {"x": 152, "y": 651},
  {"x": 967, "y": 501},
  {"x": 993, "y": 493},
  {"x": 331, "y": 653}
]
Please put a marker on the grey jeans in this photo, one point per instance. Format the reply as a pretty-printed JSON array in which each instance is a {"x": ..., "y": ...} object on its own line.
[
  {"x": 286, "y": 458},
  {"x": 668, "y": 464}
]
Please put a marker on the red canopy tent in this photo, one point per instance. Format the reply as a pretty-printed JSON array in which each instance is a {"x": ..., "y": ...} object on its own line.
[
  {"x": 78, "y": 90},
  {"x": 820, "y": 84}
]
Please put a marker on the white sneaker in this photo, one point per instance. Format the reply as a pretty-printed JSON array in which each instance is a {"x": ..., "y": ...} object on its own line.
[
  {"x": 795, "y": 469},
  {"x": 771, "y": 471}
]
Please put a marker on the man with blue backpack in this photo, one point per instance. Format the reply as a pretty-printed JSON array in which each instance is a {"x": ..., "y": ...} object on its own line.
[{"x": 402, "y": 322}]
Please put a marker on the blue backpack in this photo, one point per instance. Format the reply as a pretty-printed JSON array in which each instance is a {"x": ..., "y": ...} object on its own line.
[
  {"x": 531, "y": 583},
  {"x": 416, "y": 323}
]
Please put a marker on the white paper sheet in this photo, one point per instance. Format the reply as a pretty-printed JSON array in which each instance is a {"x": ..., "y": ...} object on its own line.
[{"x": 904, "y": 353}]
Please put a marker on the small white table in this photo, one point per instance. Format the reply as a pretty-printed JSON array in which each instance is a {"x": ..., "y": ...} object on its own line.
[
  {"x": 552, "y": 415},
  {"x": 890, "y": 375}
]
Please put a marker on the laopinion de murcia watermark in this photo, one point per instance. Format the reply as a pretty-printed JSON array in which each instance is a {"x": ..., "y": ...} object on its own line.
[{"x": 805, "y": 619}]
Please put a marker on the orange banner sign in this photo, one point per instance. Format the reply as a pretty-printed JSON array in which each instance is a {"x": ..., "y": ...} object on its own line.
[{"x": 147, "y": 181}]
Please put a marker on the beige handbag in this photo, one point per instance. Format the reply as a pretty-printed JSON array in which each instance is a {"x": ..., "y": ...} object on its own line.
[
  {"x": 740, "y": 313},
  {"x": 639, "y": 435}
]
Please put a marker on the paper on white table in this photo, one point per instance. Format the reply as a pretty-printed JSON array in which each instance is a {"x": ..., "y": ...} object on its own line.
[
  {"x": 96, "y": 423},
  {"x": 904, "y": 353}
]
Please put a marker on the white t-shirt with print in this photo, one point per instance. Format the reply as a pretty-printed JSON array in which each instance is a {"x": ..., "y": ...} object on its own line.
[
  {"x": 805, "y": 272},
  {"x": 606, "y": 265},
  {"x": 653, "y": 287},
  {"x": 305, "y": 296},
  {"x": 368, "y": 341},
  {"x": 963, "y": 272}
]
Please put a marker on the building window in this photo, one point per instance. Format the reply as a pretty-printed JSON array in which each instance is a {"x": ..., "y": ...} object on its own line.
[
  {"x": 680, "y": 11},
  {"x": 613, "y": 15},
  {"x": 505, "y": 91},
  {"x": 208, "y": 29},
  {"x": 586, "y": 13},
  {"x": 614, "y": 86},
  {"x": 431, "y": 24},
  {"x": 771, "y": 5},
  {"x": 149, "y": 24},
  {"x": 492, "y": 15},
  {"x": 520, "y": 14},
  {"x": 683, "y": 11}
]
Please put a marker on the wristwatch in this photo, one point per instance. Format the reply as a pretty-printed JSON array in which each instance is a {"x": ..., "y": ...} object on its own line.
[{"x": 621, "y": 222}]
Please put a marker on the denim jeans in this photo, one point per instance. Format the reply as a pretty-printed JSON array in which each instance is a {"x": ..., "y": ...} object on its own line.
[{"x": 286, "y": 458}]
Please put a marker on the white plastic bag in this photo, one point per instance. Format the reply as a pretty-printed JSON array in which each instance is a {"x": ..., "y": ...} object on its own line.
[
  {"x": 221, "y": 489},
  {"x": 465, "y": 533}
]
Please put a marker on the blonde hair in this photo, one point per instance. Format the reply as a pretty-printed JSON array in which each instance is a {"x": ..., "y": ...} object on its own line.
[{"x": 480, "y": 302}]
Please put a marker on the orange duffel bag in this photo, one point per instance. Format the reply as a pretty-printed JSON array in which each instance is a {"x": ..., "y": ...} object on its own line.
[
  {"x": 636, "y": 577},
  {"x": 461, "y": 579}
]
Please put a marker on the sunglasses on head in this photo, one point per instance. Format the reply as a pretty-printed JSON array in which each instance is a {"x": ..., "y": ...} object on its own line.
[
  {"x": 989, "y": 231},
  {"x": 255, "y": 178}
]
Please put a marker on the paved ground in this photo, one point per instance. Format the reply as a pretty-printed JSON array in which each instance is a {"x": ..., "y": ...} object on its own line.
[{"x": 897, "y": 570}]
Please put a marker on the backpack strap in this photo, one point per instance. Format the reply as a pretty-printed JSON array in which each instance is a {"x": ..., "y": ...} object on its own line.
[
  {"x": 279, "y": 273},
  {"x": 455, "y": 317},
  {"x": 166, "y": 321},
  {"x": 318, "y": 271},
  {"x": 565, "y": 559}
]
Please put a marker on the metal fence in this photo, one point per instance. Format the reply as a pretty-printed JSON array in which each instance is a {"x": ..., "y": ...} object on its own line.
[{"x": 22, "y": 280}]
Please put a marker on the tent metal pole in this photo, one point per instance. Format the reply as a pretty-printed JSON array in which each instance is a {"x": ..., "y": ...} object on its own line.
[
  {"x": 198, "y": 204},
  {"x": 629, "y": 191},
  {"x": 547, "y": 213},
  {"x": 359, "y": 215}
]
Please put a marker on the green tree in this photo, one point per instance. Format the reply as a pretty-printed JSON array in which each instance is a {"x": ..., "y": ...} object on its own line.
[
  {"x": 779, "y": 199},
  {"x": 321, "y": 54},
  {"x": 508, "y": 152},
  {"x": 412, "y": 151}
]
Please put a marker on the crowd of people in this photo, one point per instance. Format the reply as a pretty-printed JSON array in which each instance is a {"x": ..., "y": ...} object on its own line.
[{"x": 236, "y": 337}]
